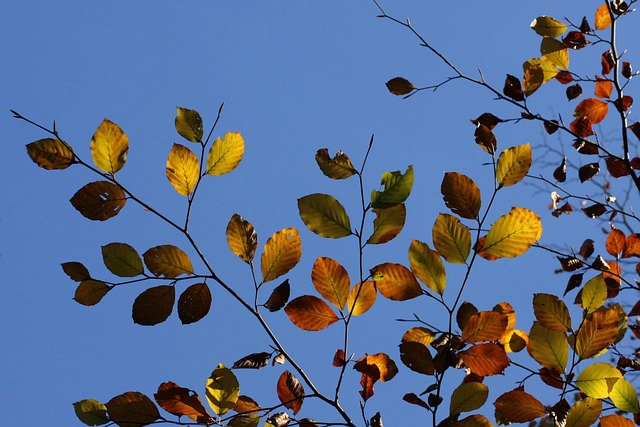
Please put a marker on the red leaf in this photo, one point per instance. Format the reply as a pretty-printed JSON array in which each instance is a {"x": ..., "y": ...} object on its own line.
[
  {"x": 181, "y": 401},
  {"x": 279, "y": 297},
  {"x": 635, "y": 311},
  {"x": 550, "y": 126},
  {"x": 592, "y": 108},
  {"x": 339, "y": 358},
  {"x": 290, "y": 392},
  {"x": 587, "y": 248},
  {"x": 635, "y": 128}
]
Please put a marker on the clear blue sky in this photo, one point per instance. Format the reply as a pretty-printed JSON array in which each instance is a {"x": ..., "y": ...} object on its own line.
[{"x": 295, "y": 77}]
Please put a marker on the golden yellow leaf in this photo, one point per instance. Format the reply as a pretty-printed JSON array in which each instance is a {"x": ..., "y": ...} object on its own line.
[
  {"x": 222, "y": 390},
  {"x": 242, "y": 238},
  {"x": 594, "y": 294},
  {"x": 602, "y": 18},
  {"x": 281, "y": 253},
  {"x": 225, "y": 154},
  {"x": 547, "y": 26},
  {"x": 597, "y": 380},
  {"x": 484, "y": 326},
  {"x": 331, "y": 280},
  {"x": 167, "y": 261},
  {"x": 427, "y": 265},
  {"x": 584, "y": 413},
  {"x": 597, "y": 332},
  {"x": 513, "y": 165},
  {"x": 388, "y": 224},
  {"x": 386, "y": 366},
  {"x": 183, "y": 169},
  {"x": 555, "y": 52},
  {"x": 109, "y": 147},
  {"x": 324, "y": 215},
  {"x": 451, "y": 239},
  {"x": 468, "y": 397},
  {"x": 361, "y": 298},
  {"x": 551, "y": 312},
  {"x": 549, "y": 348},
  {"x": 419, "y": 334},
  {"x": 51, "y": 154},
  {"x": 537, "y": 71},
  {"x": 513, "y": 234},
  {"x": 625, "y": 396},
  {"x": 514, "y": 341},
  {"x": 189, "y": 124}
]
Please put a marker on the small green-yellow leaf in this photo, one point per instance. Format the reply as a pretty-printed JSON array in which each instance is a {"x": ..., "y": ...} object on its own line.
[
  {"x": 122, "y": 260},
  {"x": 183, "y": 169},
  {"x": 99, "y": 200},
  {"x": 51, "y": 154},
  {"x": 388, "y": 224},
  {"x": 189, "y": 124},
  {"x": 222, "y": 390},
  {"x": 597, "y": 332},
  {"x": 397, "y": 187},
  {"x": 281, "y": 253},
  {"x": 91, "y": 412},
  {"x": 90, "y": 292},
  {"x": 549, "y": 348},
  {"x": 167, "y": 261},
  {"x": 594, "y": 294},
  {"x": 331, "y": 280},
  {"x": 451, "y": 239},
  {"x": 584, "y": 413},
  {"x": 225, "y": 154},
  {"x": 396, "y": 282},
  {"x": 597, "y": 380},
  {"x": 513, "y": 165},
  {"x": 461, "y": 195},
  {"x": 109, "y": 147},
  {"x": 242, "y": 238},
  {"x": 338, "y": 167},
  {"x": 551, "y": 312},
  {"x": 468, "y": 397},
  {"x": 324, "y": 215},
  {"x": 547, "y": 26},
  {"x": 625, "y": 396},
  {"x": 310, "y": 313},
  {"x": 427, "y": 265},
  {"x": 513, "y": 234}
]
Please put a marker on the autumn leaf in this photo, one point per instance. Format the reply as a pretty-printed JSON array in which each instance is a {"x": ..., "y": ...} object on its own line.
[
  {"x": 194, "y": 303},
  {"x": 281, "y": 253},
  {"x": 90, "y": 292},
  {"x": 624, "y": 396},
  {"x": 122, "y": 260},
  {"x": 77, "y": 271},
  {"x": 518, "y": 406},
  {"x": 279, "y": 297},
  {"x": 592, "y": 108},
  {"x": 183, "y": 169},
  {"x": 189, "y": 124},
  {"x": 461, "y": 195},
  {"x": 597, "y": 380},
  {"x": 51, "y": 154},
  {"x": 468, "y": 397},
  {"x": 167, "y": 261},
  {"x": 154, "y": 305},
  {"x": 400, "y": 86},
  {"x": 555, "y": 52},
  {"x": 451, "y": 239},
  {"x": 416, "y": 356},
  {"x": 547, "y": 26},
  {"x": 386, "y": 367},
  {"x": 225, "y": 154},
  {"x": 513, "y": 165},
  {"x": 252, "y": 361},
  {"x": 132, "y": 409},
  {"x": 396, "y": 282},
  {"x": 324, "y": 215},
  {"x": 242, "y": 238},
  {"x": 396, "y": 189},
  {"x": 512, "y": 88},
  {"x": 336, "y": 167},
  {"x": 361, "y": 298},
  {"x": 290, "y": 392},
  {"x": 602, "y": 18},
  {"x": 331, "y": 280},
  {"x": 597, "y": 332},
  {"x": 584, "y": 413},
  {"x": 551, "y": 312},
  {"x": 548, "y": 347},
  {"x": 485, "y": 359},
  {"x": 109, "y": 147},
  {"x": 222, "y": 390},
  {"x": 181, "y": 401},
  {"x": 513, "y": 234},
  {"x": 91, "y": 412},
  {"x": 484, "y": 326},
  {"x": 99, "y": 200},
  {"x": 427, "y": 265},
  {"x": 388, "y": 224},
  {"x": 310, "y": 313}
]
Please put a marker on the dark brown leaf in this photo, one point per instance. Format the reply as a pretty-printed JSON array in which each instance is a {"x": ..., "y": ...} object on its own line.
[
  {"x": 600, "y": 264},
  {"x": 635, "y": 163},
  {"x": 154, "y": 305},
  {"x": 76, "y": 271},
  {"x": 616, "y": 167},
  {"x": 486, "y": 139},
  {"x": 635, "y": 128},
  {"x": 584, "y": 26},
  {"x": 132, "y": 409},
  {"x": 90, "y": 292},
  {"x": 278, "y": 297},
  {"x": 252, "y": 361},
  {"x": 564, "y": 77},
  {"x": 587, "y": 248},
  {"x": 464, "y": 313},
  {"x": 281, "y": 419},
  {"x": 400, "y": 86},
  {"x": 415, "y": 400},
  {"x": 588, "y": 171},
  {"x": 194, "y": 303},
  {"x": 624, "y": 103},
  {"x": 434, "y": 400},
  {"x": 635, "y": 310},
  {"x": 586, "y": 147},
  {"x": 575, "y": 40},
  {"x": 51, "y": 154},
  {"x": 608, "y": 62},
  {"x": 367, "y": 381},
  {"x": 550, "y": 126},
  {"x": 574, "y": 91},
  {"x": 560, "y": 174},
  {"x": 574, "y": 281},
  {"x": 595, "y": 210},
  {"x": 570, "y": 263},
  {"x": 619, "y": 7},
  {"x": 487, "y": 119},
  {"x": 416, "y": 356},
  {"x": 564, "y": 209},
  {"x": 627, "y": 70},
  {"x": 99, "y": 200},
  {"x": 513, "y": 88},
  {"x": 181, "y": 401}
]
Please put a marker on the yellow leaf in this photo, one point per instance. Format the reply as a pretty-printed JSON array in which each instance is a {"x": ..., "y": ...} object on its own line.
[
  {"x": 310, "y": 313},
  {"x": 338, "y": 167},
  {"x": 242, "y": 238},
  {"x": 419, "y": 334},
  {"x": 549, "y": 348},
  {"x": 461, "y": 195},
  {"x": 386, "y": 366},
  {"x": 514, "y": 341},
  {"x": 122, "y": 260},
  {"x": 361, "y": 298},
  {"x": 388, "y": 224},
  {"x": 91, "y": 412},
  {"x": 625, "y": 396},
  {"x": 555, "y": 52},
  {"x": 331, "y": 280},
  {"x": 51, "y": 154},
  {"x": 324, "y": 215},
  {"x": 536, "y": 72},
  {"x": 427, "y": 265},
  {"x": 109, "y": 147},
  {"x": 594, "y": 294},
  {"x": 597, "y": 332},
  {"x": 167, "y": 261},
  {"x": 513, "y": 165},
  {"x": 597, "y": 380},
  {"x": 584, "y": 413},
  {"x": 547, "y": 26},
  {"x": 551, "y": 312},
  {"x": 222, "y": 389},
  {"x": 602, "y": 18},
  {"x": 281, "y": 253},
  {"x": 468, "y": 397},
  {"x": 183, "y": 169},
  {"x": 225, "y": 154},
  {"x": 396, "y": 282},
  {"x": 513, "y": 234},
  {"x": 451, "y": 239},
  {"x": 189, "y": 124}
]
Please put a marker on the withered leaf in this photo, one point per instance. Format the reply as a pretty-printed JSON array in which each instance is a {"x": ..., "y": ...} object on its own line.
[
  {"x": 281, "y": 419},
  {"x": 564, "y": 209},
  {"x": 574, "y": 91},
  {"x": 595, "y": 210},
  {"x": 290, "y": 392},
  {"x": 584, "y": 26},
  {"x": 99, "y": 200},
  {"x": 585, "y": 147},
  {"x": 608, "y": 62},
  {"x": 278, "y": 297},
  {"x": 194, "y": 303},
  {"x": 512, "y": 88},
  {"x": 415, "y": 400},
  {"x": 570, "y": 263},
  {"x": 154, "y": 305},
  {"x": 400, "y": 86},
  {"x": 627, "y": 70},
  {"x": 339, "y": 358},
  {"x": 616, "y": 167},
  {"x": 588, "y": 171},
  {"x": 574, "y": 282},
  {"x": 635, "y": 128},
  {"x": 560, "y": 174},
  {"x": 551, "y": 126},
  {"x": 624, "y": 103},
  {"x": 485, "y": 138},
  {"x": 564, "y": 77},
  {"x": 181, "y": 401},
  {"x": 252, "y": 361},
  {"x": 487, "y": 119},
  {"x": 76, "y": 271},
  {"x": 587, "y": 248},
  {"x": 575, "y": 40}
]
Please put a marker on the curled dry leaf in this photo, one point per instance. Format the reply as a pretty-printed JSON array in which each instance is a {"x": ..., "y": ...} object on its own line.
[{"x": 252, "y": 361}]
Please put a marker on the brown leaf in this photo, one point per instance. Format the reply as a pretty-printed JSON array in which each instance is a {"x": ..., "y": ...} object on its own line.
[
  {"x": 512, "y": 88},
  {"x": 615, "y": 242},
  {"x": 479, "y": 247},
  {"x": 635, "y": 128},
  {"x": 339, "y": 359},
  {"x": 551, "y": 378},
  {"x": 465, "y": 312},
  {"x": 99, "y": 200},
  {"x": 608, "y": 62},
  {"x": 574, "y": 281},
  {"x": 51, "y": 154},
  {"x": 181, "y": 401},
  {"x": 616, "y": 167},
  {"x": 575, "y": 40},
  {"x": 485, "y": 326},
  {"x": 486, "y": 139},
  {"x": 132, "y": 409},
  {"x": 154, "y": 305},
  {"x": 624, "y": 103},
  {"x": 416, "y": 356},
  {"x": 415, "y": 400},
  {"x": 570, "y": 263},
  {"x": 584, "y": 26},
  {"x": 281, "y": 419},
  {"x": 587, "y": 248},
  {"x": 635, "y": 163},
  {"x": 290, "y": 392},
  {"x": 194, "y": 303},
  {"x": 310, "y": 313},
  {"x": 592, "y": 108},
  {"x": 551, "y": 126},
  {"x": 252, "y": 361},
  {"x": 588, "y": 171},
  {"x": 564, "y": 77},
  {"x": 338, "y": 167},
  {"x": 627, "y": 70},
  {"x": 566, "y": 209},
  {"x": 278, "y": 297},
  {"x": 367, "y": 380},
  {"x": 574, "y": 91},
  {"x": 387, "y": 368},
  {"x": 560, "y": 173},
  {"x": 595, "y": 210},
  {"x": 400, "y": 86},
  {"x": 90, "y": 292},
  {"x": 461, "y": 195},
  {"x": 485, "y": 359},
  {"x": 518, "y": 406},
  {"x": 76, "y": 271},
  {"x": 635, "y": 310}
]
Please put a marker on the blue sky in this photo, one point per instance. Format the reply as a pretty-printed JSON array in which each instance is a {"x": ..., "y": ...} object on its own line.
[{"x": 294, "y": 77}]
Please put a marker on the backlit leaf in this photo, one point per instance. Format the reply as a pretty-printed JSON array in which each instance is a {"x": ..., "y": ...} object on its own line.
[
  {"x": 416, "y": 356},
  {"x": 366, "y": 295},
  {"x": 602, "y": 19},
  {"x": 396, "y": 282},
  {"x": 225, "y": 154},
  {"x": 242, "y": 238},
  {"x": 484, "y": 326},
  {"x": 331, "y": 280},
  {"x": 385, "y": 365},
  {"x": 475, "y": 420},
  {"x": 549, "y": 348},
  {"x": 181, "y": 401},
  {"x": 631, "y": 246},
  {"x": 547, "y": 26},
  {"x": 518, "y": 406},
  {"x": 615, "y": 241},
  {"x": 90, "y": 292},
  {"x": 388, "y": 224},
  {"x": 588, "y": 171},
  {"x": 555, "y": 52},
  {"x": 461, "y": 195},
  {"x": 51, "y": 154},
  {"x": 506, "y": 309},
  {"x": 597, "y": 332},
  {"x": 604, "y": 87},
  {"x": 189, "y": 124},
  {"x": 625, "y": 396},
  {"x": 109, "y": 147},
  {"x": 290, "y": 392},
  {"x": 338, "y": 167},
  {"x": 310, "y": 313},
  {"x": 132, "y": 409},
  {"x": 597, "y": 380},
  {"x": 415, "y": 400},
  {"x": 575, "y": 40},
  {"x": 514, "y": 341},
  {"x": 513, "y": 165},
  {"x": 564, "y": 77},
  {"x": 281, "y": 253},
  {"x": 536, "y": 72},
  {"x": 615, "y": 420},
  {"x": 592, "y": 108},
  {"x": 400, "y": 86},
  {"x": 246, "y": 405},
  {"x": 91, "y": 412},
  {"x": 465, "y": 312},
  {"x": 194, "y": 303},
  {"x": 396, "y": 189},
  {"x": 183, "y": 169},
  {"x": 624, "y": 103},
  {"x": 76, "y": 271},
  {"x": 584, "y": 413},
  {"x": 278, "y": 297},
  {"x": 222, "y": 389},
  {"x": 122, "y": 260},
  {"x": 513, "y": 234},
  {"x": 512, "y": 88},
  {"x": 551, "y": 312},
  {"x": 451, "y": 239},
  {"x": 324, "y": 215},
  {"x": 167, "y": 261},
  {"x": 485, "y": 359},
  {"x": 252, "y": 361},
  {"x": 616, "y": 167},
  {"x": 99, "y": 200},
  {"x": 468, "y": 397},
  {"x": 594, "y": 294},
  {"x": 154, "y": 305},
  {"x": 427, "y": 265}
]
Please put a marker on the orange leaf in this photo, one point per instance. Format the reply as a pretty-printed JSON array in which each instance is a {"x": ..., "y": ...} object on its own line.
[
  {"x": 181, "y": 401},
  {"x": 386, "y": 367},
  {"x": 615, "y": 242},
  {"x": 331, "y": 280},
  {"x": 603, "y": 88},
  {"x": 598, "y": 331},
  {"x": 594, "y": 109},
  {"x": 310, "y": 313},
  {"x": 506, "y": 309},
  {"x": 278, "y": 297},
  {"x": 519, "y": 407},
  {"x": 290, "y": 392},
  {"x": 396, "y": 282},
  {"x": 602, "y": 19},
  {"x": 485, "y": 359},
  {"x": 615, "y": 420},
  {"x": 631, "y": 246},
  {"x": 485, "y": 326}
]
